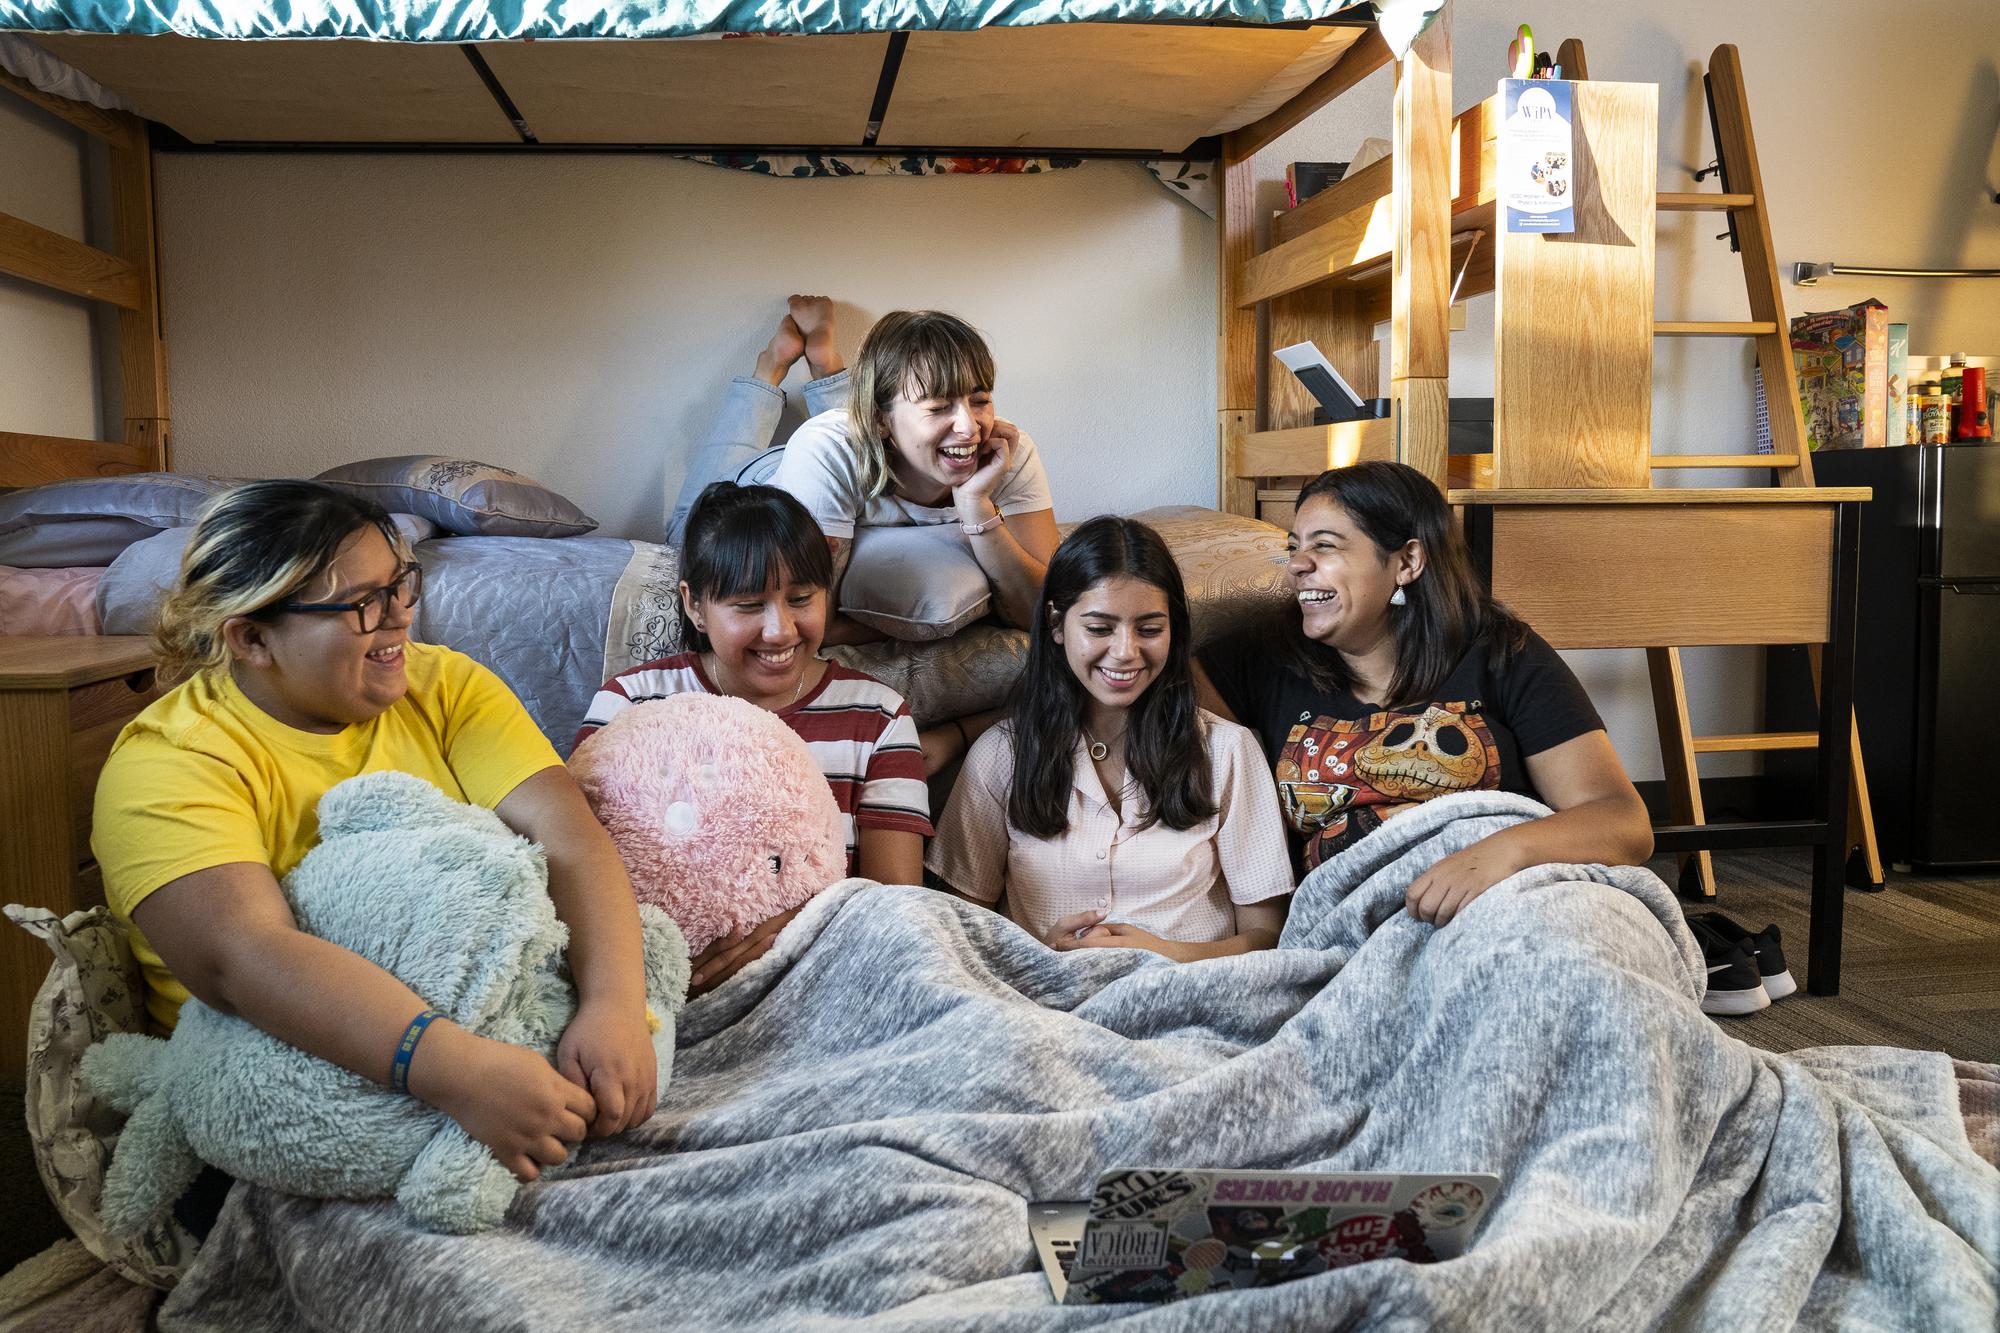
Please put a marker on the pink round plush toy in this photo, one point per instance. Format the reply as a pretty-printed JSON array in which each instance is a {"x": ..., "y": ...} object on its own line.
[{"x": 717, "y": 808}]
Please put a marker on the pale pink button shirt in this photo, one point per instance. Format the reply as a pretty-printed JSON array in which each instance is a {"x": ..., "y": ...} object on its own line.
[{"x": 1179, "y": 884}]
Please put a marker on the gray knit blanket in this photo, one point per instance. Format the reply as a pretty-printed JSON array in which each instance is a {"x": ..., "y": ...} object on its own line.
[{"x": 855, "y": 1124}]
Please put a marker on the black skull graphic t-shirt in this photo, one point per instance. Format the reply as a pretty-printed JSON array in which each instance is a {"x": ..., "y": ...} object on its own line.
[{"x": 1343, "y": 766}]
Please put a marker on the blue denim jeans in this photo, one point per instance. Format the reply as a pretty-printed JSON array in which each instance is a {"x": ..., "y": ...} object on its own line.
[{"x": 738, "y": 444}]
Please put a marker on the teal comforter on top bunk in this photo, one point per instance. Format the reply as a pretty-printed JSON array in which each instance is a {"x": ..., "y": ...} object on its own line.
[{"x": 502, "y": 20}]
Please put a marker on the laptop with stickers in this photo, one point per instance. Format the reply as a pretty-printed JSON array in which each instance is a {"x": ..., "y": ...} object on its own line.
[{"x": 1164, "y": 1235}]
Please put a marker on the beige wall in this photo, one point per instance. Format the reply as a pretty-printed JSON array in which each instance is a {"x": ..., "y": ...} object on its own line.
[
  {"x": 577, "y": 317},
  {"x": 573, "y": 317}
]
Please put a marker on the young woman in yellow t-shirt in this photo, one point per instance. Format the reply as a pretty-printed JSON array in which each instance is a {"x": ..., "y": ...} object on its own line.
[{"x": 290, "y": 627}]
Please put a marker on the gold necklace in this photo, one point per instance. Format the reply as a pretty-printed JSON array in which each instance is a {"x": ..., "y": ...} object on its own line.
[{"x": 1098, "y": 751}]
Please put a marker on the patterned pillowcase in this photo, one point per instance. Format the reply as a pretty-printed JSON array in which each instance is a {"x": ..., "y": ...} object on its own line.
[
  {"x": 968, "y": 673},
  {"x": 93, "y": 990},
  {"x": 461, "y": 496},
  {"x": 1232, "y": 567}
]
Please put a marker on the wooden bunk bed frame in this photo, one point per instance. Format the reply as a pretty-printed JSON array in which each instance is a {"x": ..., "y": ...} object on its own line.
[
  {"x": 126, "y": 277},
  {"x": 1395, "y": 242}
]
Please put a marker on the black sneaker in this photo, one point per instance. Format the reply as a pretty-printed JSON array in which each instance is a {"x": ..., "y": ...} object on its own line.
[
  {"x": 1764, "y": 946},
  {"x": 1733, "y": 984}
]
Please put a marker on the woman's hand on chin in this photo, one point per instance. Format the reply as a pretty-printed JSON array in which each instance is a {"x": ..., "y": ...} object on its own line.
[
  {"x": 1442, "y": 892},
  {"x": 974, "y": 494}
]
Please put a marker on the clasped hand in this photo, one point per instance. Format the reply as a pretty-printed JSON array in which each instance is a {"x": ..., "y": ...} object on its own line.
[{"x": 1089, "y": 930}]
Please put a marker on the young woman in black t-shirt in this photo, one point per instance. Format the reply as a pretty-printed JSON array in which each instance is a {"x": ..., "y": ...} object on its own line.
[{"x": 1400, "y": 679}]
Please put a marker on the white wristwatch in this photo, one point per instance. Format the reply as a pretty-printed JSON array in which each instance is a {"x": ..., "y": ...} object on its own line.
[{"x": 975, "y": 529}]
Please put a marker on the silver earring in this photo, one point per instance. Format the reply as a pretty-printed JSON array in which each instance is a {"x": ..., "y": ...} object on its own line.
[{"x": 1398, "y": 597}]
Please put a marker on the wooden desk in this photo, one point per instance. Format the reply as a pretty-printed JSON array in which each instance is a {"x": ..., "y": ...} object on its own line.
[
  {"x": 1683, "y": 568},
  {"x": 63, "y": 700}
]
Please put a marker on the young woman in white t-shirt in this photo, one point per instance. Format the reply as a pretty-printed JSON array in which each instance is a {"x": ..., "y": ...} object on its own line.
[
  {"x": 1110, "y": 811},
  {"x": 905, "y": 438},
  {"x": 919, "y": 444}
]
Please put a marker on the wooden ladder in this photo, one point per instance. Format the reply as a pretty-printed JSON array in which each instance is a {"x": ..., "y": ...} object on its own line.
[{"x": 1742, "y": 201}]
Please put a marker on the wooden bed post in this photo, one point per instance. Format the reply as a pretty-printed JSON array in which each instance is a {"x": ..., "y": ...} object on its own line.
[
  {"x": 142, "y": 351},
  {"x": 1235, "y": 327},
  {"x": 1420, "y": 326}
]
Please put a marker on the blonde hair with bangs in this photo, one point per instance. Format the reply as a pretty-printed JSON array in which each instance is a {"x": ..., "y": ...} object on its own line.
[
  {"x": 255, "y": 547},
  {"x": 933, "y": 354}
]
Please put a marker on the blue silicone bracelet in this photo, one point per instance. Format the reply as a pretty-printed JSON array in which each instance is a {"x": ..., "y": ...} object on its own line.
[{"x": 399, "y": 1068}]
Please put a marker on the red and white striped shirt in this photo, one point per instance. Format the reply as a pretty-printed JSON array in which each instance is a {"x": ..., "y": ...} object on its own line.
[{"x": 858, "y": 730}]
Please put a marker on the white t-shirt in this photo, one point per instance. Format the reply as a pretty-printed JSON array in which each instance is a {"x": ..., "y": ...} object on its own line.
[{"x": 820, "y": 467}]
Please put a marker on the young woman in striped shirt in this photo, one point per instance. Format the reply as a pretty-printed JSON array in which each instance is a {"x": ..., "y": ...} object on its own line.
[
  {"x": 1109, "y": 811},
  {"x": 755, "y": 573}
]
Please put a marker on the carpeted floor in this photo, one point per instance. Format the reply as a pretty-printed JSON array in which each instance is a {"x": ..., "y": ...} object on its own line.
[{"x": 1920, "y": 966}]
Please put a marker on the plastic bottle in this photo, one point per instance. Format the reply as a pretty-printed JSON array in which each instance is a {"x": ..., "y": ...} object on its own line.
[{"x": 1952, "y": 378}]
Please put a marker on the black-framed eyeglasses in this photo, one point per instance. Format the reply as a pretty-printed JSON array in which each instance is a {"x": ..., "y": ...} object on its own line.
[{"x": 405, "y": 590}]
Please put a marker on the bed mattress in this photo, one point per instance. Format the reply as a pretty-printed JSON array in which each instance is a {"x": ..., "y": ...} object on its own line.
[{"x": 503, "y": 20}]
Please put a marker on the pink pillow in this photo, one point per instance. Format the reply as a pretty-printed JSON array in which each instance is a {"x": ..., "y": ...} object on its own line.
[
  {"x": 48, "y": 601},
  {"x": 719, "y": 812}
]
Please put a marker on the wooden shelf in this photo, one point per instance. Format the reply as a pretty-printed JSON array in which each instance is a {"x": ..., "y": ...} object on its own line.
[
  {"x": 1712, "y": 328},
  {"x": 1705, "y": 203},
  {"x": 1311, "y": 450},
  {"x": 1669, "y": 462},
  {"x": 1344, "y": 236},
  {"x": 1676, "y": 495}
]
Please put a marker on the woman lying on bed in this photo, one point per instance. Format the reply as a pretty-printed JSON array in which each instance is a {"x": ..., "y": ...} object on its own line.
[
  {"x": 291, "y": 627},
  {"x": 1110, "y": 811},
  {"x": 1400, "y": 679},
  {"x": 907, "y": 438}
]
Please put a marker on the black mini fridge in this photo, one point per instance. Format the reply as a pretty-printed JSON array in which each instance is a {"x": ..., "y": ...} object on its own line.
[{"x": 1927, "y": 650}]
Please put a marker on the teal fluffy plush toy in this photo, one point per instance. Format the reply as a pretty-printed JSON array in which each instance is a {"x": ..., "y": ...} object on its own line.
[{"x": 453, "y": 903}]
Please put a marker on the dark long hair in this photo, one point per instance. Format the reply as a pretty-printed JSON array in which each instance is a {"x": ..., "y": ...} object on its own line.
[
  {"x": 1448, "y": 608},
  {"x": 739, "y": 538},
  {"x": 1165, "y": 748}
]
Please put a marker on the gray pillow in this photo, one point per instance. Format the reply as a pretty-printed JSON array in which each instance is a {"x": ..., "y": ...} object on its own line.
[
  {"x": 461, "y": 496},
  {"x": 90, "y": 520},
  {"x": 915, "y": 582}
]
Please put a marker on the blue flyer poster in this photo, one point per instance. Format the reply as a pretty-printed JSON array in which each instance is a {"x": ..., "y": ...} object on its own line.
[{"x": 1536, "y": 157}]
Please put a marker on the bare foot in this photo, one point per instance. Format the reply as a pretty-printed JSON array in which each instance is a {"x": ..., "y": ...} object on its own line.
[
  {"x": 787, "y": 345},
  {"x": 814, "y": 317}
]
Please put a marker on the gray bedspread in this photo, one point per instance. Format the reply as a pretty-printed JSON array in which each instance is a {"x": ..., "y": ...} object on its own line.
[{"x": 855, "y": 1123}]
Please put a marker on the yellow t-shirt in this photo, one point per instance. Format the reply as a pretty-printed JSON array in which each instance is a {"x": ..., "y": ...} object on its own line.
[{"x": 203, "y": 777}]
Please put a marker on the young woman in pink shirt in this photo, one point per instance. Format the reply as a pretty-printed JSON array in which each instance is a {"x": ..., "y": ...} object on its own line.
[{"x": 1109, "y": 811}]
